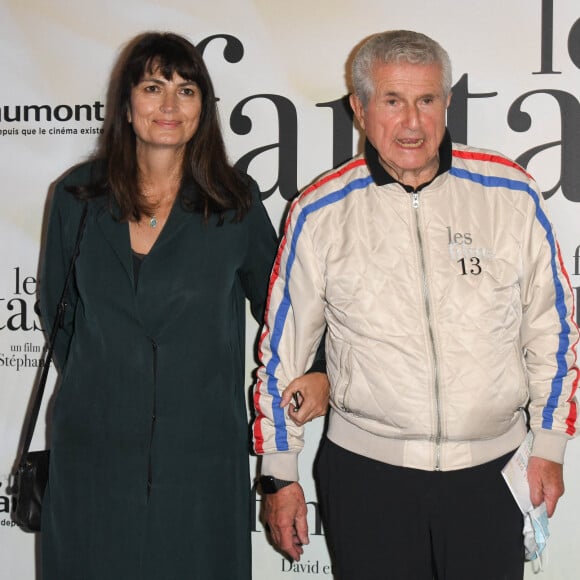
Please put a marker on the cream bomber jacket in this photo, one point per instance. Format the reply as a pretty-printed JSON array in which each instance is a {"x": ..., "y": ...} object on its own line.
[{"x": 448, "y": 310}]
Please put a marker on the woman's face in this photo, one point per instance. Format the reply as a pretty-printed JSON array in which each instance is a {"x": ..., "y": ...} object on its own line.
[{"x": 164, "y": 113}]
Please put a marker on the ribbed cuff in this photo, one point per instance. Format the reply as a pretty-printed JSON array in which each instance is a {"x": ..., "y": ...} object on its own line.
[
  {"x": 550, "y": 446},
  {"x": 281, "y": 465}
]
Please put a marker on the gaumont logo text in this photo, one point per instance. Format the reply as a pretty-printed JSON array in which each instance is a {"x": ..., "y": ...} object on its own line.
[
  {"x": 50, "y": 113},
  {"x": 19, "y": 119}
]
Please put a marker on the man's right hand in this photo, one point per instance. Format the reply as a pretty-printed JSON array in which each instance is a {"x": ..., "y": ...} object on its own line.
[
  {"x": 285, "y": 513},
  {"x": 313, "y": 390}
]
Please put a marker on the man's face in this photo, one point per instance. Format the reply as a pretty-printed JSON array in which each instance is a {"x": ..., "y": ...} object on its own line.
[{"x": 405, "y": 119}]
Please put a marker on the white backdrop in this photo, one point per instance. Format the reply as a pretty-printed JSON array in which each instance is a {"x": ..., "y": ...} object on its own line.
[{"x": 517, "y": 75}]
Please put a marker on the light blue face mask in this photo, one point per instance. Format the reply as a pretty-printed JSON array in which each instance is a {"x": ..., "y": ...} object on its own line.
[{"x": 536, "y": 536}]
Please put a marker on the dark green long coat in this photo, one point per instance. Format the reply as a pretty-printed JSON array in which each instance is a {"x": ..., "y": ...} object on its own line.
[{"x": 149, "y": 474}]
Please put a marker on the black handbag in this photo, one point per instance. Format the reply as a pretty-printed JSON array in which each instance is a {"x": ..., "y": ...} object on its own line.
[
  {"x": 31, "y": 476},
  {"x": 28, "y": 490}
]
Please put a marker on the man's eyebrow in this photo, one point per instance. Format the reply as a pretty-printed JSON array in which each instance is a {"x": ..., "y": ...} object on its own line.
[{"x": 389, "y": 93}]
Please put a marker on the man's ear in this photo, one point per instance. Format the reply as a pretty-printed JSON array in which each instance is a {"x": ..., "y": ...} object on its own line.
[{"x": 358, "y": 110}]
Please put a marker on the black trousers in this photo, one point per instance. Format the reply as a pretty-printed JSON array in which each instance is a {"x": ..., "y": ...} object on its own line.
[{"x": 384, "y": 522}]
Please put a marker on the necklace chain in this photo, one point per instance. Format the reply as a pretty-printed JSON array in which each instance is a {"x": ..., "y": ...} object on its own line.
[{"x": 153, "y": 219}]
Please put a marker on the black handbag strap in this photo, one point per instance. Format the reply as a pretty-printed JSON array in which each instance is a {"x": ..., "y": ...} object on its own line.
[{"x": 58, "y": 321}]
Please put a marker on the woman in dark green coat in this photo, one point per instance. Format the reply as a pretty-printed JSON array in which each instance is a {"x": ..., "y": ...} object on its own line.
[{"x": 149, "y": 474}]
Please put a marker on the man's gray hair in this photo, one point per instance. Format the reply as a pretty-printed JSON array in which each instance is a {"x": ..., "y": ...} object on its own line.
[{"x": 396, "y": 46}]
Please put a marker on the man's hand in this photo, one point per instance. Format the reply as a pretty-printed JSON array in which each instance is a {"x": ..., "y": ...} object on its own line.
[
  {"x": 285, "y": 514},
  {"x": 312, "y": 391},
  {"x": 546, "y": 482}
]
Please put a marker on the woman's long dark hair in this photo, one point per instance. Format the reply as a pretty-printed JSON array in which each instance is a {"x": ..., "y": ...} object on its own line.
[{"x": 219, "y": 187}]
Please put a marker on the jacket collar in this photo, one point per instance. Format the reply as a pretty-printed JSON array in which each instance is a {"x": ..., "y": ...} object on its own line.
[{"x": 381, "y": 177}]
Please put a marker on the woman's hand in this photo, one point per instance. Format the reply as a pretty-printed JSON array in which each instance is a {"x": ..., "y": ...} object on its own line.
[{"x": 311, "y": 392}]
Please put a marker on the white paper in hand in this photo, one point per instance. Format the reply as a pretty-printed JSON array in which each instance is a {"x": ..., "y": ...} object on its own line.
[
  {"x": 515, "y": 474},
  {"x": 535, "y": 530}
]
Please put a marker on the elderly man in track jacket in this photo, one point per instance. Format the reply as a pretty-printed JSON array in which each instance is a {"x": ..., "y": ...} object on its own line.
[{"x": 450, "y": 333}]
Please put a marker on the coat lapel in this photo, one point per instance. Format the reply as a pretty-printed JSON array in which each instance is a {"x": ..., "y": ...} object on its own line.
[
  {"x": 178, "y": 219},
  {"x": 117, "y": 235}
]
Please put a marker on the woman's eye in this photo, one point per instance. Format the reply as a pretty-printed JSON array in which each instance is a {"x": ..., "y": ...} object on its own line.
[{"x": 189, "y": 91}]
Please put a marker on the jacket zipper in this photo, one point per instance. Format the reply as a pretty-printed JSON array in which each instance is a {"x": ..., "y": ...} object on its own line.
[
  {"x": 153, "y": 419},
  {"x": 415, "y": 197}
]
